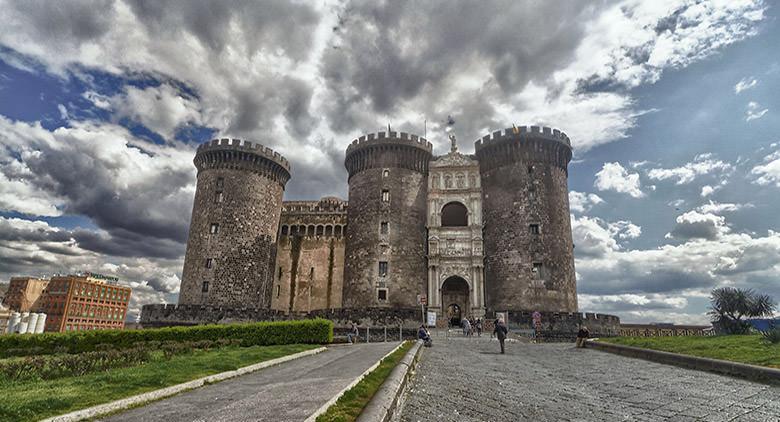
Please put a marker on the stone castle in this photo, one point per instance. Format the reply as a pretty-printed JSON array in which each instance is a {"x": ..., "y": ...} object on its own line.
[{"x": 468, "y": 234}]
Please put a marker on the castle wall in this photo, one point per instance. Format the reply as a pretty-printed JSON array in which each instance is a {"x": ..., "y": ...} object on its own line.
[
  {"x": 239, "y": 189},
  {"x": 387, "y": 183},
  {"x": 524, "y": 184},
  {"x": 309, "y": 271}
]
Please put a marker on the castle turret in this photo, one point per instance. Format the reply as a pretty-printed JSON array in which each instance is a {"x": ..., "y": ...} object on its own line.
[
  {"x": 232, "y": 241},
  {"x": 529, "y": 260},
  {"x": 385, "y": 262}
]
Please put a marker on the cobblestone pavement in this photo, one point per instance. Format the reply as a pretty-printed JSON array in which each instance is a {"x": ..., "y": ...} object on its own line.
[
  {"x": 290, "y": 391},
  {"x": 466, "y": 379}
]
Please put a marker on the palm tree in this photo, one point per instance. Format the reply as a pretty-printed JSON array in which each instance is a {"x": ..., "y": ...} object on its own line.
[{"x": 730, "y": 305}]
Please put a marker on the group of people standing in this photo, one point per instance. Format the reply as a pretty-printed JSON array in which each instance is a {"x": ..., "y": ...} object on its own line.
[{"x": 470, "y": 326}]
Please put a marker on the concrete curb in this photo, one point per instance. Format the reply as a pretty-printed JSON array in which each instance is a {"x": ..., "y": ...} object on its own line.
[
  {"x": 102, "y": 409},
  {"x": 383, "y": 404},
  {"x": 334, "y": 399},
  {"x": 735, "y": 369}
]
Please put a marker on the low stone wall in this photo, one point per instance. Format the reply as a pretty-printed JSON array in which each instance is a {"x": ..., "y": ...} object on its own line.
[
  {"x": 599, "y": 325},
  {"x": 159, "y": 315},
  {"x": 556, "y": 326}
]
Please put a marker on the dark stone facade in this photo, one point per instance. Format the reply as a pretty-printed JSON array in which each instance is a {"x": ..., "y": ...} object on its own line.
[
  {"x": 387, "y": 183},
  {"x": 239, "y": 190},
  {"x": 529, "y": 260},
  {"x": 303, "y": 259}
]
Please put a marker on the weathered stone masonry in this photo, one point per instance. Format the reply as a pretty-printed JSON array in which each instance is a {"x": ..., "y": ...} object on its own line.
[
  {"x": 251, "y": 256},
  {"x": 309, "y": 270},
  {"x": 385, "y": 258},
  {"x": 232, "y": 242},
  {"x": 529, "y": 260}
]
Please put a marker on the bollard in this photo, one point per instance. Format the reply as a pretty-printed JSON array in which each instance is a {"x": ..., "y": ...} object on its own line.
[
  {"x": 368, "y": 334},
  {"x": 400, "y": 334},
  {"x": 385, "y": 333}
]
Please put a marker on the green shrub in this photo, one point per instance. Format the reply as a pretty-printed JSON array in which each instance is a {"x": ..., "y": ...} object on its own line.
[
  {"x": 40, "y": 367},
  {"x": 313, "y": 331}
]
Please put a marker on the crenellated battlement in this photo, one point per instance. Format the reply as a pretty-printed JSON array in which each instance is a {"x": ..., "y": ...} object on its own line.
[
  {"x": 520, "y": 133},
  {"x": 247, "y": 146},
  {"x": 525, "y": 144},
  {"x": 390, "y": 138},
  {"x": 388, "y": 149},
  {"x": 242, "y": 155}
]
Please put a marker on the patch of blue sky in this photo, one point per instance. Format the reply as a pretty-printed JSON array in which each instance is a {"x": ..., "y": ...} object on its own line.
[
  {"x": 696, "y": 111},
  {"x": 194, "y": 133},
  {"x": 67, "y": 222}
]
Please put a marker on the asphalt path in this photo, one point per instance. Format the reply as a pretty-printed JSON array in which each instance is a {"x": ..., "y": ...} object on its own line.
[{"x": 291, "y": 391}]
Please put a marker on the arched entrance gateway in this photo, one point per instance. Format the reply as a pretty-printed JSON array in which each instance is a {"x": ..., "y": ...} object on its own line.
[
  {"x": 455, "y": 258},
  {"x": 455, "y": 296}
]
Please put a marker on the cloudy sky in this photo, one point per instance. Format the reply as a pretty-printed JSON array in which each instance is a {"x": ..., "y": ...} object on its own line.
[{"x": 671, "y": 105}]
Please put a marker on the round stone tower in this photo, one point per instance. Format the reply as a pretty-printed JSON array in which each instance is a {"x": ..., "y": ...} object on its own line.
[
  {"x": 232, "y": 242},
  {"x": 385, "y": 257},
  {"x": 529, "y": 260}
]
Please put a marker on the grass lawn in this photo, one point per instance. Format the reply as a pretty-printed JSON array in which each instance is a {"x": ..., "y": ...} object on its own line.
[
  {"x": 744, "y": 348},
  {"x": 349, "y": 406},
  {"x": 34, "y": 400}
]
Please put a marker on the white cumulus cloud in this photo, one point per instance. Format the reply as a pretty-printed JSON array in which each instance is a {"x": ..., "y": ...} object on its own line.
[
  {"x": 615, "y": 177},
  {"x": 702, "y": 164}
]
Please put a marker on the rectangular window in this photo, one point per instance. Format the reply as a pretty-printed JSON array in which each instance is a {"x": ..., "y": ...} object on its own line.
[
  {"x": 209, "y": 262},
  {"x": 381, "y": 295},
  {"x": 278, "y": 290},
  {"x": 220, "y": 182},
  {"x": 382, "y": 268},
  {"x": 538, "y": 271},
  {"x": 214, "y": 228},
  {"x": 205, "y": 288},
  {"x": 218, "y": 197},
  {"x": 385, "y": 195},
  {"x": 280, "y": 273},
  {"x": 533, "y": 228},
  {"x": 384, "y": 227}
]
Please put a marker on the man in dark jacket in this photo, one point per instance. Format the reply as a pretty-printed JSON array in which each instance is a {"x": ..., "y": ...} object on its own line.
[
  {"x": 423, "y": 335},
  {"x": 500, "y": 331},
  {"x": 582, "y": 336}
]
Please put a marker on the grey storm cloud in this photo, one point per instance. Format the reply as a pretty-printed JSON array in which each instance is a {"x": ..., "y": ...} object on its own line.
[
  {"x": 633, "y": 278},
  {"x": 270, "y": 24},
  {"x": 388, "y": 53},
  {"x": 72, "y": 21},
  {"x": 89, "y": 186},
  {"x": 126, "y": 243}
]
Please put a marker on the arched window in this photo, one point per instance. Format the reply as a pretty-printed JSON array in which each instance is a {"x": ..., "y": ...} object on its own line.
[{"x": 454, "y": 214}]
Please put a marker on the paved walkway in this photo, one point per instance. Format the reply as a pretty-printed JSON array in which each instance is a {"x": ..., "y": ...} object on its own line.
[
  {"x": 291, "y": 391},
  {"x": 466, "y": 379}
]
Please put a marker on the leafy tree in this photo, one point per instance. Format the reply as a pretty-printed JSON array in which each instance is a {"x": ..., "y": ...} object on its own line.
[{"x": 729, "y": 305}]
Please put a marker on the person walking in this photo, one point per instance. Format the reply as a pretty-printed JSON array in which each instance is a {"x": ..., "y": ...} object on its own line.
[
  {"x": 353, "y": 333},
  {"x": 501, "y": 332},
  {"x": 466, "y": 327},
  {"x": 478, "y": 327}
]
